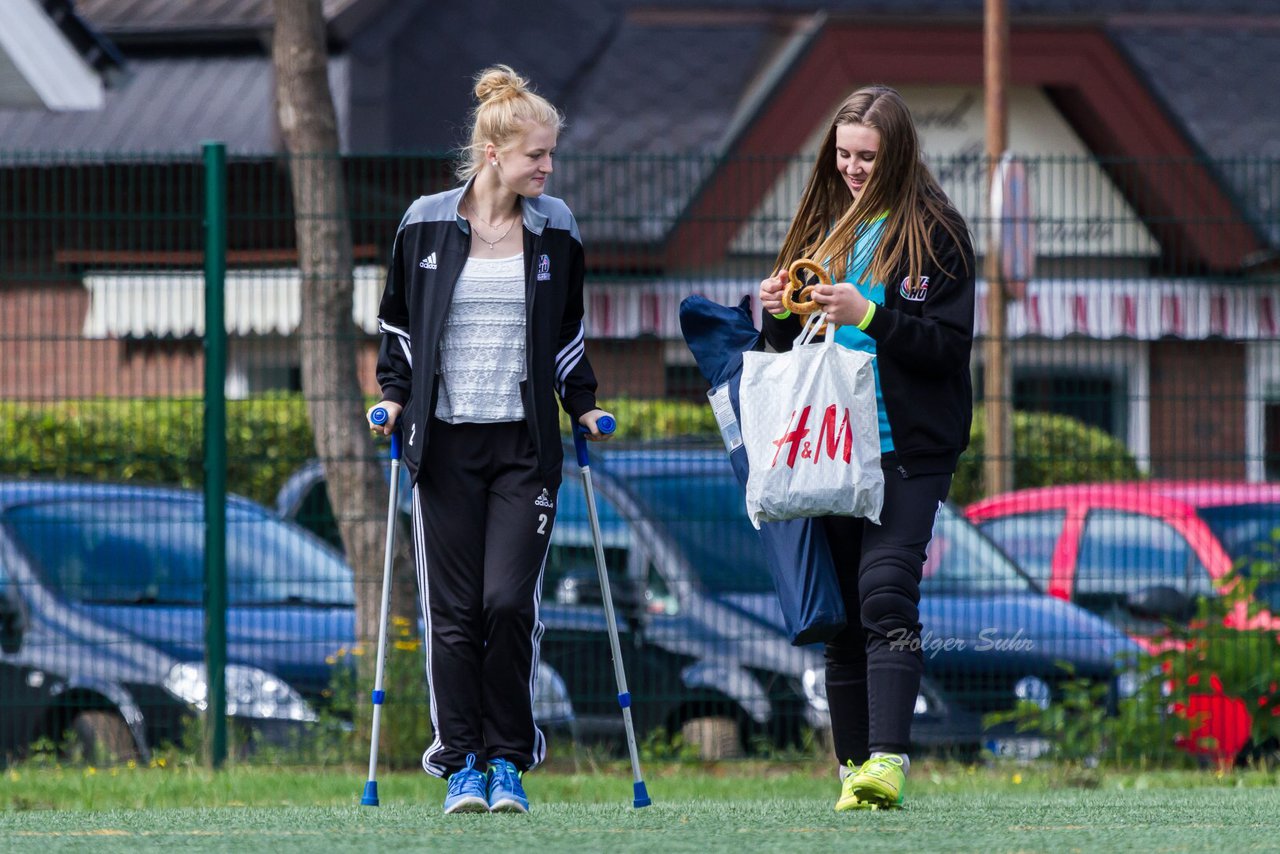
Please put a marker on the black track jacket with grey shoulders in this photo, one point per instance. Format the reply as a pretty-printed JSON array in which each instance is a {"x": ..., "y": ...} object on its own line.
[
  {"x": 923, "y": 334},
  {"x": 430, "y": 250}
]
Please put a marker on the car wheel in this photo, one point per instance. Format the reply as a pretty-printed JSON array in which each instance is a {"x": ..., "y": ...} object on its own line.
[
  {"x": 101, "y": 738},
  {"x": 713, "y": 737}
]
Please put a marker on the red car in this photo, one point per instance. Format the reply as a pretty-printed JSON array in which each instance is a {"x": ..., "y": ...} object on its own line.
[
  {"x": 1110, "y": 547},
  {"x": 1140, "y": 553}
]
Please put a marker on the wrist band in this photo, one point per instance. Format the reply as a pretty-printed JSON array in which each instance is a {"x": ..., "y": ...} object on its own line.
[
  {"x": 785, "y": 314},
  {"x": 866, "y": 318}
]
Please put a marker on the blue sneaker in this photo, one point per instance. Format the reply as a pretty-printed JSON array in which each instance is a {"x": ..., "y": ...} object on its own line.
[
  {"x": 506, "y": 793},
  {"x": 467, "y": 789}
]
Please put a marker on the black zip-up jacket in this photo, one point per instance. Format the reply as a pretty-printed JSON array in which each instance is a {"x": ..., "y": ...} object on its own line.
[
  {"x": 430, "y": 250},
  {"x": 923, "y": 335}
]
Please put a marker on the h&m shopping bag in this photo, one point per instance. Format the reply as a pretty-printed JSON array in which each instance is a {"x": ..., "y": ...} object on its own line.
[
  {"x": 812, "y": 433},
  {"x": 811, "y": 609}
]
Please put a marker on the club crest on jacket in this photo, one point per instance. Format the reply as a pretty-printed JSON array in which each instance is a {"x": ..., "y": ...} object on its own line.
[{"x": 914, "y": 289}]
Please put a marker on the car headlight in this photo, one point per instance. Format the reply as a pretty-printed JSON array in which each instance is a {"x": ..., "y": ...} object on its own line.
[
  {"x": 1033, "y": 689},
  {"x": 251, "y": 692},
  {"x": 814, "y": 683},
  {"x": 551, "y": 703},
  {"x": 1127, "y": 684}
]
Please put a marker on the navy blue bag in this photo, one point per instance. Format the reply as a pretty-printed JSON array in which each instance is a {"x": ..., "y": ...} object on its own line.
[{"x": 796, "y": 551}]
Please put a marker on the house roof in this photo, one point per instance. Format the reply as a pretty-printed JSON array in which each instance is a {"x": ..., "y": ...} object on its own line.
[
  {"x": 171, "y": 106},
  {"x": 1221, "y": 92},
  {"x": 50, "y": 59},
  {"x": 125, "y": 17},
  {"x": 656, "y": 77}
]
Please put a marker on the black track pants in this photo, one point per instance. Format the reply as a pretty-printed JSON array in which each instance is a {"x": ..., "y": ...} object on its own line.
[
  {"x": 874, "y": 665},
  {"x": 482, "y": 525}
]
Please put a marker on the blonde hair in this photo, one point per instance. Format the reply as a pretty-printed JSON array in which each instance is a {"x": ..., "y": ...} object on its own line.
[
  {"x": 828, "y": 221},
  {"x": 505, "y": 107}
]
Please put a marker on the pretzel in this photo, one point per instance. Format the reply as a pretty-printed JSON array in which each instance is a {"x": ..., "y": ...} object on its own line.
[{"x": 797, "y": 296}]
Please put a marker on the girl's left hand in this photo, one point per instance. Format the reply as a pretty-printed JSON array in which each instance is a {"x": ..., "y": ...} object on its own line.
[
  {"x": 842, "y": 303},
  {"x": 589, "y": 420}
]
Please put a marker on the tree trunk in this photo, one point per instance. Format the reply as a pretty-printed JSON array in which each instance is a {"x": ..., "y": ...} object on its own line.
[{"x": 327, "y": 333}]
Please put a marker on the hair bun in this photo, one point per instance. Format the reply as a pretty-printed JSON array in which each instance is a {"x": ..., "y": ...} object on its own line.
[{"x": 499, "y": 82}]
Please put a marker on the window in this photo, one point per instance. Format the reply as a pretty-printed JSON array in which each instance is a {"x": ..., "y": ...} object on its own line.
[
  {"x": 1122, "y": 553},
  {"x": 961, "y": 560},
  {"x": 571, "y": 559},
  {"x": 1271, "y": 440},
  {"x": 1094, "y": 400},
  {"x": 151, "y": 552},
  {"x": 1030, "y": 539}
]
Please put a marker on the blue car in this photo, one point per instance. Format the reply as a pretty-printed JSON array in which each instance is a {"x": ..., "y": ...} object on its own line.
[
  {"x": 704, "y": 645},
  {"x": 990, "y": 637},
  {"x": 102, "y": 589},
  {"x": 102, "y": 618}
]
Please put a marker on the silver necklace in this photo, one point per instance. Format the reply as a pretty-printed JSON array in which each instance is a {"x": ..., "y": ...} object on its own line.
[{"x": 491, "y": 243}]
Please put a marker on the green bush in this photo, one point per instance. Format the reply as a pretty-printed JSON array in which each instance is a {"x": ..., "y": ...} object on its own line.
[
  {"x": 156, "y": 441},
  {"x": 658, "y": 418},
  {"x": 405, "y": 728},
  {"x": 1048, "y": 449}
]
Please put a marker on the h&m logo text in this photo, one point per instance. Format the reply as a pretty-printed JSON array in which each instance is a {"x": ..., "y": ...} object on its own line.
[{"x": 832, "y": 439}]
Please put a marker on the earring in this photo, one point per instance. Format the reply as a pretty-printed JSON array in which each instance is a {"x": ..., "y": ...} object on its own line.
[{"x": 494, "y": 162}]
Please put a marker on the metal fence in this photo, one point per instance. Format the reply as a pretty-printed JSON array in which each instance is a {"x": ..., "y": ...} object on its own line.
[{"x": 1144, "y": 359}]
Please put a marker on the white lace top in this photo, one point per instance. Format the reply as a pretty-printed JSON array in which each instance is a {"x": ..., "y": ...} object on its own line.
[{"x": 482, "y": 359}]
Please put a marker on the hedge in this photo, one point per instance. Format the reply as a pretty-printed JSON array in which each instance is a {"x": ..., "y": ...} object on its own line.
[
  {"x": 160, "y": 441},
  {"x": 1048, "y": 449},
  {"x": 156, "y": 441}
]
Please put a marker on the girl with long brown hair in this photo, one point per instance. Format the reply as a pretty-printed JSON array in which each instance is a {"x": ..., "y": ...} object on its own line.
[{"x": 902, "y": 267}]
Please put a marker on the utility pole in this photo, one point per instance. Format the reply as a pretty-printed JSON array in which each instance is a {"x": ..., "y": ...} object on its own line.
[{"x": 998, "y": 466}]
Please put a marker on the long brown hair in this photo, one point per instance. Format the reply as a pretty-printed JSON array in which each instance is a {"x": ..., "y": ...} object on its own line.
[{"x": 828, "y": 220}]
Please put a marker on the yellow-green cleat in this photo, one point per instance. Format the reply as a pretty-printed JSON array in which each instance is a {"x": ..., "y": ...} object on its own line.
[{"x": 877, "y": 785}]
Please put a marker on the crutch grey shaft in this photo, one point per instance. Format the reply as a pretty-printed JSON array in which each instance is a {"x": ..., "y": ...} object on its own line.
[
  {"x": 606, "y": 425},
  {"x": 370, "y": 796}
]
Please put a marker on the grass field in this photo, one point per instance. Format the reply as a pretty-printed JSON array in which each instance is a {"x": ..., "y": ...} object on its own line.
[{"x": 746, "y": 807}]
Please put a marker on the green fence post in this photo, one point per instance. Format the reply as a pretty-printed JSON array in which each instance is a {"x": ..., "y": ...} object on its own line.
[{"x": 215, "y": 451}]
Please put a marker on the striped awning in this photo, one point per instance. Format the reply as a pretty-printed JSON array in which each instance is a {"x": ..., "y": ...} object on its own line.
[
  {"x": 170, "y": 303},
  {"x": 1140, "y": 309},
  {"x": 1134, "y": 309},
  {"x": 267, "y": 302}
]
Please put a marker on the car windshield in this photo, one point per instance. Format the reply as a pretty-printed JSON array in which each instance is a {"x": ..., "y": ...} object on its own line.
[
  {"x": 151, "y": 551},
  {"x": 962, "y": 559},
  {"x": 1249, "y": 532},
  {"x": 708, "y": 519}
]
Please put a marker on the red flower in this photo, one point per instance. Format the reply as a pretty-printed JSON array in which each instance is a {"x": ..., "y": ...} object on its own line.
[{"x": 1193, "y": 679}]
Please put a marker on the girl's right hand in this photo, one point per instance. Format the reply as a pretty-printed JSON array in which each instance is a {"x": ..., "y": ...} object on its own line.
[
  {"x": 771, "y": 293},
  {"x": 393, "y": 414}
]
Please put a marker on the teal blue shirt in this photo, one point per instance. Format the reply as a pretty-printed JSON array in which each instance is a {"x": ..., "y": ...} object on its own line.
[{"x": 864, "y": 249}]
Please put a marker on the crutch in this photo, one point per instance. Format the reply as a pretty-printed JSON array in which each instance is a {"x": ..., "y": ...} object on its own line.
[
  {"x": 370, "y": 797},
  {"x": 606, "y": 424}
]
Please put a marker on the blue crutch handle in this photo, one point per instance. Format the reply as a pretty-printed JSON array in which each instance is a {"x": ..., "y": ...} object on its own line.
[
  {"x": 605, "y": 424},
  {"x": 379, "y": 416}
]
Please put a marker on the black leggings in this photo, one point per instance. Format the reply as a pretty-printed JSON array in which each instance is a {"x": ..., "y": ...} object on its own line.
[{"x": 874, "y": 665}]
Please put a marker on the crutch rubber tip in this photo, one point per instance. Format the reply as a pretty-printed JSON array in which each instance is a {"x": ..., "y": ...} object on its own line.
[
  {"x": 642, "y": 795},
  {"x": 370, "y": 798}
]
